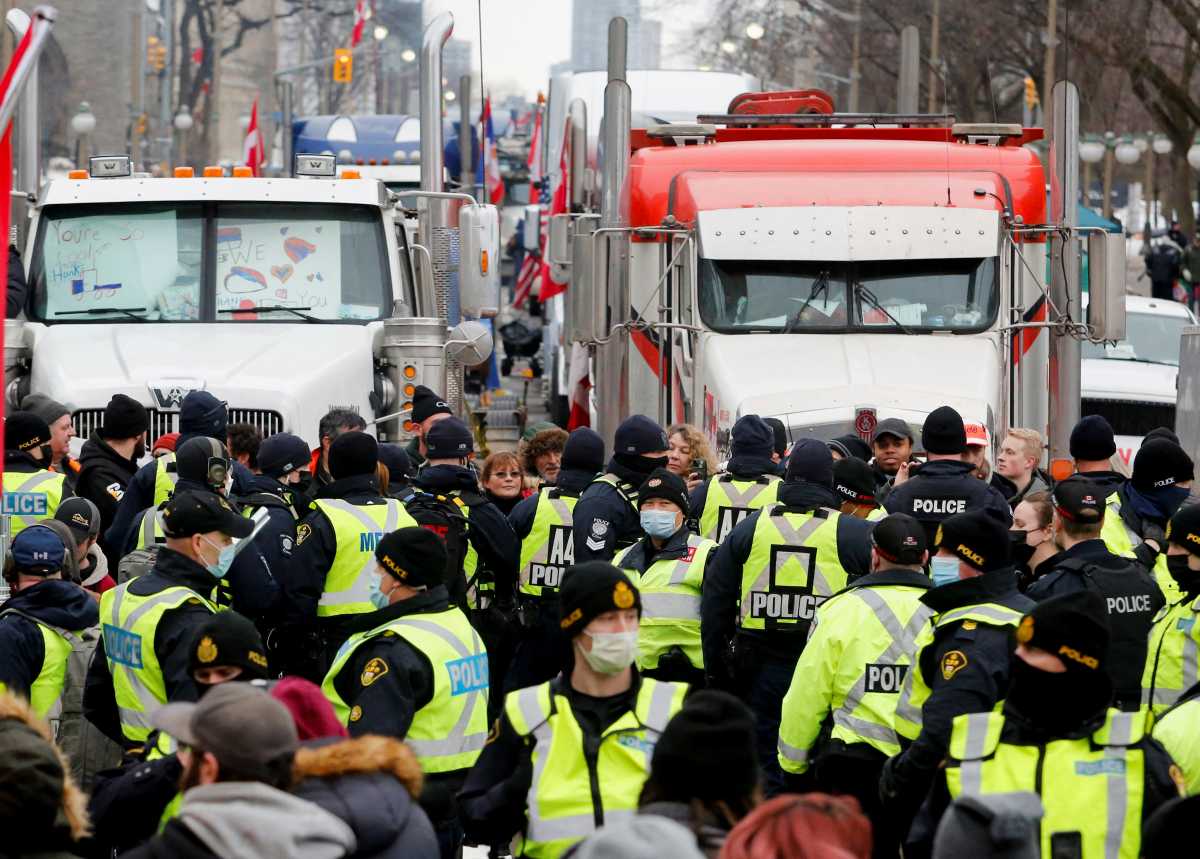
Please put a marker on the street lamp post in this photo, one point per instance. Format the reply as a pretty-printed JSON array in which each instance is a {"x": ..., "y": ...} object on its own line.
[
  {"x": 83, "y": 123},
  {"x": 1091, "y": 151},
  {"x": 183, "y": 124},
  {"x": 1125, "y": 152},
  {"x": 380, "y": 33},
  {"x": 1161, "y": 145}
]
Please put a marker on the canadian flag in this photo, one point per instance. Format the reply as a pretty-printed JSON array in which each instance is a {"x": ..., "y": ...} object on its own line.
[
  {"x": 535, "y": 149},
  {"x": 360, "y": 21},
  {"x": 252, "y": 147},
  {"x": 487, "y": 142},
  {"x": 579, "y": 383}
]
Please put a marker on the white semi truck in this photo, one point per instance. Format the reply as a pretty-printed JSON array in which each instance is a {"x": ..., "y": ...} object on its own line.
[{"x": 284, "y": 297}]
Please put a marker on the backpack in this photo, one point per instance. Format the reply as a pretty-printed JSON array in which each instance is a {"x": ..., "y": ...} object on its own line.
[
  {"x": 137, "y": 563},
  {"x": 88, "y": 750},
  {"x": 446, "y": 516}
]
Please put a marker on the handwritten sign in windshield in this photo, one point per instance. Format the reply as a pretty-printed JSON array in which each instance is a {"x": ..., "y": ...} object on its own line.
[{"x": 274, "y": 263}]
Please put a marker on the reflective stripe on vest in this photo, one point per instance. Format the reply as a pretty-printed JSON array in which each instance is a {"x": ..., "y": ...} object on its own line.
[
  {"x": 47, "y": 483},
  {"x": 670, "y": 592},
  {"x": 449, "y": 732},
  {"x": 1092, "y": 786},
  {"x": 45, "y": 693},
  {"x": 1173, "y": 655},
  {"x": 549, "y": 548},
  {"x": 358, "y": 530},
  {"x": 1117, "y": 536},
  {"x": 129, "y": 624},
  {"x": 164, "y": 480},
  {"x": 150, "y": 530},
  {"x": 792, "y": 568},
  {"x": 916, "y": 690},
  {"x": 561, "y": 809},
  {"x": 729, "y": 501}
]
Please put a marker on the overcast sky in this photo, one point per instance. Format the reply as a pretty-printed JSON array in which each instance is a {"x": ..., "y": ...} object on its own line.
[{"x": 522, "y": 38}]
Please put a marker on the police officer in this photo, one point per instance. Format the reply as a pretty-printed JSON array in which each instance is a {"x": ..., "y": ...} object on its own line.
[
  {"x": 1172, "y": 660},
  {"x": 851, "y": 671},
  {"x": 427, "y": 409},
  {"x": 1092, "y": 446},
  {"x": 420, "y": 673},
  {"x": 400, "y": 470},
  {"x": 276, "y": 498},
  {"x": 40, "y": 621},
  {"x": 572, "y": 754},
  {"x": 945, "y": 485},
  {"x": 27, "y": 473},
  {"x": 1131, "y": 596},
  {"x": 780, "y": 448},
  {"x": 543, "y": 524},
  {"x": 492, "y": 554},
  {"x": 606, "y": 517},
  {"x": 854, "y": 483},
  {"x": 200, "y": 414},
  {"x": 668, "y": 565},
  {"x": 1176, "y": 730},
  {"x": 148, "y": 622},
  {"x": 1098, "y": 774},
  {"x": 62, "y": 430},
  {"x": 750, "y": 482},
  {"x": 961, "y": 657},
  {"x": 109, "y": 461},
  {"x": 1142, "y": 506},
  {"x": 891, "y": 447},
  {"x": 765, "y": 582},
  {"x": 333, "y": 559},
  {"x": 203, "y": 465}
]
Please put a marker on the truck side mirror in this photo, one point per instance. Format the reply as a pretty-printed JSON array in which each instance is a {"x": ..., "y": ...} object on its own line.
[
  {"x": 479, "y": 259},
  {"x": 469, "y": 343},
  {"x": 558, "y": 247},
  {"x": 1106, "y": 285},
  {"x": 532, "y": 230}
]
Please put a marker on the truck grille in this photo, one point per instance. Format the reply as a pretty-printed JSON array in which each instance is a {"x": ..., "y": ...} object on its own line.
[
  {"x": 268, "y": 422},
  {"x": 1131, "y": 418}
]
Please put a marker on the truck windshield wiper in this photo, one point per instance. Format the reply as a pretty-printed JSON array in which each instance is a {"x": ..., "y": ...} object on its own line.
[
  {"x": 862, "y": 292},
  {"x": 272, "y": 307},
  {"x": 131, "y": 312},
  {"x": 820, "y": 286}
]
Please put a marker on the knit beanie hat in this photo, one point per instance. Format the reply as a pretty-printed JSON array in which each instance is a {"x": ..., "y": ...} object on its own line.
[
  {"x": 645, "y": 836},
  {"x": 426, "y": 404},
  {"x": 1160, "y": 463},
  {"x": 449, "y": 439},
  {"x": 352, "y": 454},
  {"x": 751, "y": 436},
  {"x": 124, "y": 417},
  {"x": 723, "y": 727},
  {"x": 311, "y": 711},
  {"x": 201, "y": 413},
  {"x": 1074, "y": 627},
  {"x": 780, "y": 431},
  {"x": 413, "y": 556},
  {"x": 584, "y": 451},
  {"x": 229, "y": 639},
  {"x": 638, "y": 434},
  {"x": 944, "y": 432},
  {"x": 396, "y": 459},
  {"x": 45, "y": 408},
  {"x": 589, "y": 590},
  {"x": 810, "y": 462},
  {"x": 851, "y": 446},
  {"x": 666, "y": 485},
  {"x": 25, "y": 431},
  {"x": 1092, "y": 439}
]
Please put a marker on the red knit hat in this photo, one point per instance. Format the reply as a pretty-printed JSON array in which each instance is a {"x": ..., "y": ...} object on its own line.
[
  {"x": 310, "y": 709},
  {"x": 165, "y": 442}
]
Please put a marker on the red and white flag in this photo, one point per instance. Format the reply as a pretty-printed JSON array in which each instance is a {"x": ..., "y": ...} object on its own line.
[
  {"x": 360, "y": 21},
  {"x": 252, "y": 147},
  {"x": 579, "y": 383},
  {"x": 487, "y": 136},
  {"x": 535, "y": 149},
  {"x": 558, "y": 206},
  {"x": 20, "y": 55}
]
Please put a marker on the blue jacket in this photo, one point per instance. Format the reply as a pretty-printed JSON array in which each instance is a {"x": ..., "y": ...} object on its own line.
[
  {"x": 22, "y": 648},
  {"x": 723, "y": 575},
  {"x": 604, "y": 520}
]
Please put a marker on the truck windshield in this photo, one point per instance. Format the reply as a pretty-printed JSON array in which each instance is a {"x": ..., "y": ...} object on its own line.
[
  {"x": 191, "y": 262},
  {"x": 889, "y": 296},
  {"x": 1150, "y": 338}
]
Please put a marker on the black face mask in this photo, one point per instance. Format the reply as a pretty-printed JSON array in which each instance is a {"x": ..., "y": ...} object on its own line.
[
  {"x": 1056, "y": 703},
  {"x": 303, "y": 484},
  {"x": 1021, "y": 551},
  {"x": 1184, "y": 576},
  {"x": 640, "y": 464}
]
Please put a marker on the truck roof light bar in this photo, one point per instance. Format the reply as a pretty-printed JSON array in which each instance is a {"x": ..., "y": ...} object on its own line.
[
  {"x": 682, "y": 133},
  {"x": 822, "y": 120},
  {"x": 316, "y": 165},
  {"x": 110, "y": 167},
  {"x": 986, "y": 133}
]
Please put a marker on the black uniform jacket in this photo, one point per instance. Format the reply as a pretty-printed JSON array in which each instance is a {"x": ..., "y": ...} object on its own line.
[
  {"x": 941, "y": 489},
  {"x": 22, "y": 647},
  {"x": 605, "y": 520}
]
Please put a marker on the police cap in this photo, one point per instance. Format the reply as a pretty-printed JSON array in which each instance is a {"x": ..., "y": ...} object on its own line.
[
  {"x": 187, "y": 513},
  {"x": 900, "y": 538},
  {"x": 977, "y": 538},
  {"x": 1184, "y": 528},
  {"x": 38, "y": 551},
  {"x": 1079, "y": 500}
]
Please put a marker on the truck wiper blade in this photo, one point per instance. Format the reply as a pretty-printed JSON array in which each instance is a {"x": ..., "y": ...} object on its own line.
[
  {"x": 863, "y": 292},
  {"x": 267, "y": 308},
  {"x": 820, "y": 285},
  {"x": 131, "y": 312}
]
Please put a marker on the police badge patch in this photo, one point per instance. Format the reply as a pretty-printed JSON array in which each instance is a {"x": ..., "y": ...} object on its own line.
[
  {"x": 595, "y": 539},
  {"x": 372, "y": 671},
  {"x": 206, "y": 651},
  {"x": 302, "y": 533},
  {"x": 952, "y": 663}
]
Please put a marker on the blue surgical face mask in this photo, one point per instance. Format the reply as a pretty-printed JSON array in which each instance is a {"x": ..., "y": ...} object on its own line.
[
  {"x": 375, "y": 591},
  {"x": 658, "y": 523},
  {"x": 225, "y": 556},
  {"x": 943, "y": 571}
]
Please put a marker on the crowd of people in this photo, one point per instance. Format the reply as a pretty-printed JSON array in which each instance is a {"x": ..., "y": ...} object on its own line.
[{"x": 218, "y": 644}]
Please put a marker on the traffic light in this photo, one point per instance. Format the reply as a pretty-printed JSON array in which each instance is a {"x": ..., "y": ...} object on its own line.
[
  {"x": 1031, "y": 93},
  {"x": 156, "y": 53},
  {"x": 343, "y": 65},
  {"x": 140, "y": 125}
]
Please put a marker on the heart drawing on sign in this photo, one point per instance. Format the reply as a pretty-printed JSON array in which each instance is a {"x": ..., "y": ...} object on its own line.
[{"x": 283, "y": 272}]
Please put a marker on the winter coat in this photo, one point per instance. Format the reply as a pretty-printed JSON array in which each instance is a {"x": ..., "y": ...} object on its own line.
[
  {"x": 40, "y": 816},
  {"x": 372, "y": 784},
  {"x": 240, "y": 818}
]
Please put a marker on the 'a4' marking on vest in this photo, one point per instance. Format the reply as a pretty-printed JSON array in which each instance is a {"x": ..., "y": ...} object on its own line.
[
  {"x": 123, "y": 647},
  {"x": 727, "y": 517},
  {"x": 368, "y": 540},
  {"x": 560, "y": 555},
  {"x": 469, "y": 674}
]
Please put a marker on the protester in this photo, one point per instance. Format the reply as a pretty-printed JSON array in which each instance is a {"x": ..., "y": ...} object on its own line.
[
  {"x": 542, "y": 454},
  {"x": 501, "y": 480},
  {"x": 689, "y": 455},
  {"x": 809, "y": 826}
]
